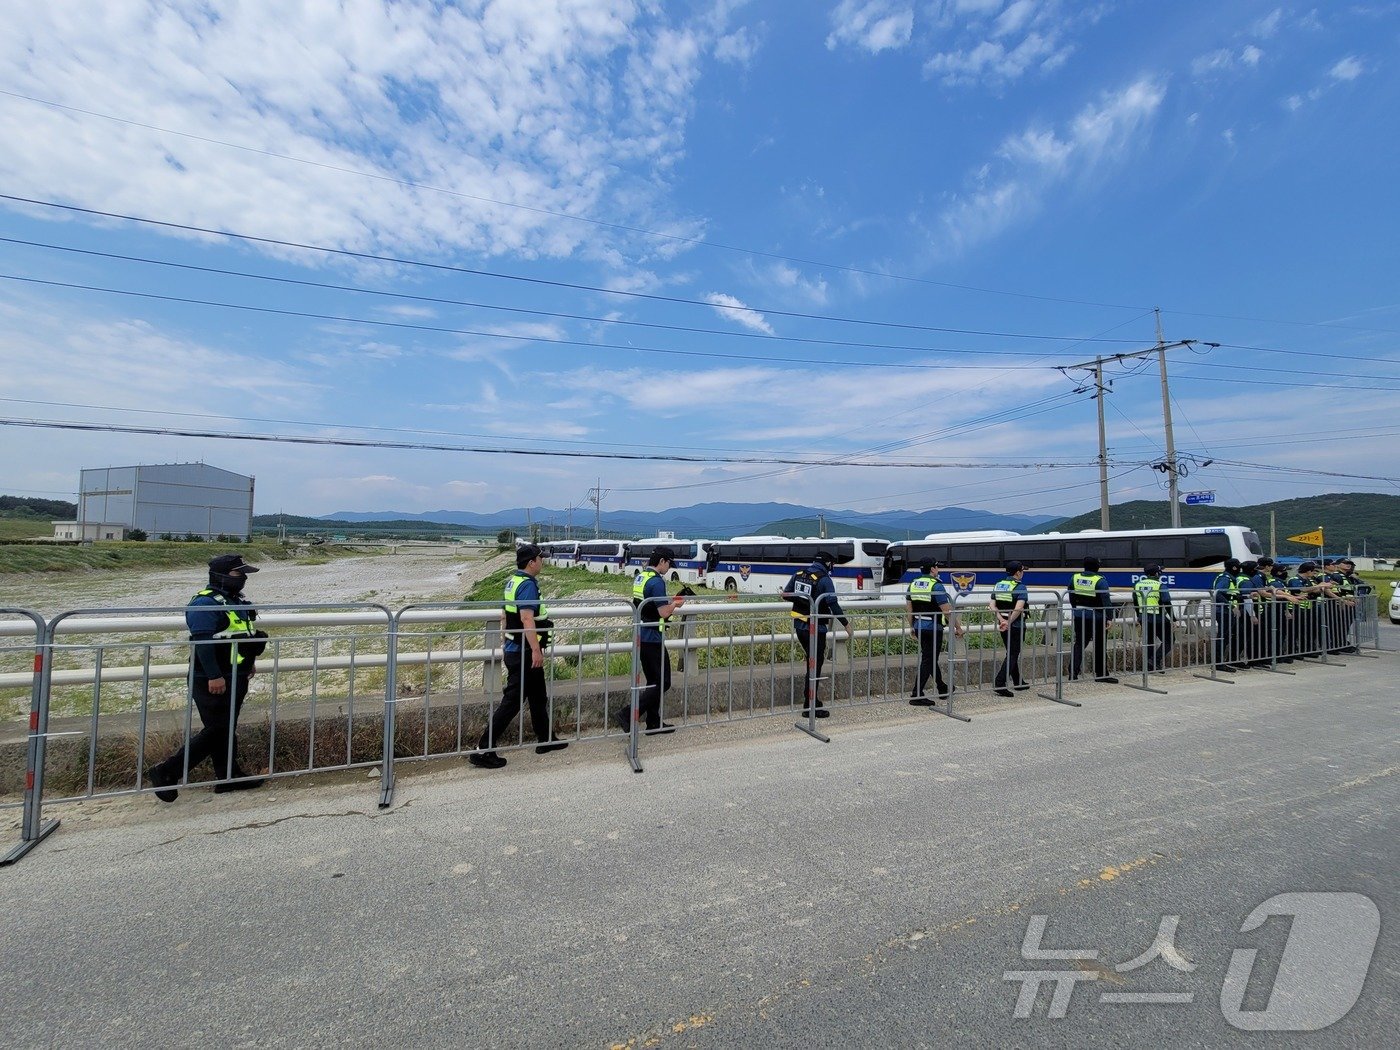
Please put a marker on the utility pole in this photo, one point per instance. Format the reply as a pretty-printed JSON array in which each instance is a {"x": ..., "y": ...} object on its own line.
[
  {"x": 1170, "y": 466},
  {"x": 595, "y": 497},
  {"x": 1173, "y": 480},
  {"x": 1273, "y": 534},
  {"x": 1099, "y": 391}
]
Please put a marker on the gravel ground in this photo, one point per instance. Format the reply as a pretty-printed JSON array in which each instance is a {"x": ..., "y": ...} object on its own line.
[{"x": 389, "y": 579}]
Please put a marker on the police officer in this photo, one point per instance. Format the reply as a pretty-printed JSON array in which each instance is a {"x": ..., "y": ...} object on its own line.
[
  {"x": 1247, "y": 633},
  {"x": 1285, "y": 607},
  {"x": 1091, "y": 605},
  {"x": 224, "y": 648},
  {"x": 814, "y": 605},
  {"x": 524, "y": 661},
  {"x": 1267, "y": 608},
  {"x": 1008, "y": 601},
  {"x": 1225, "y": 606},
  {"x": 929, "y": 607},
  {"x": 649, "y": 596},
  {"x": 1153, "y": 603},
  {"x": 1306, "y": 590},
  {"x": 1349, "y": 587}
]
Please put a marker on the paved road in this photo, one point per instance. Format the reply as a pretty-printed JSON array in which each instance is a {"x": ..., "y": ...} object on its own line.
[{"x": 744, "y": 890}]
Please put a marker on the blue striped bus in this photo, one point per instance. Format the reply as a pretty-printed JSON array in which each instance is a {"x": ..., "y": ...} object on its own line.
[
  {"x": 691, "y": 555},
  {"x": 764, "y": 564},
  {"x": 973, "y": 561}
]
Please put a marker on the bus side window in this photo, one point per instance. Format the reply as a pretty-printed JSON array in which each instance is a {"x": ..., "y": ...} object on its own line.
[
  {"x": 1202, "y": 551},
  {"x": 1164, "y": 550}
]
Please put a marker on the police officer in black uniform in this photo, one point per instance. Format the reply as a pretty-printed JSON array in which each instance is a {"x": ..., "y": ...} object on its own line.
[
  {"x": 224, "y": 648},
  {"x": 814, "y": 605},
  {"x": 1091, "y": 605},
  {"x": 930, "y": 609}
]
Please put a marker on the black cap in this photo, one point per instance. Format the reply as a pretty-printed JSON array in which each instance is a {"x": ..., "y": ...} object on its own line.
[
  {"x": 825, "y": 557},
  {"x": 660, "y": 554},
  {"x": 1091, "y": 564},
  {"x": 1232, "y": 563},
  {"x": 928, "y": 565},
  {"x": 1347, "y": 561},
  {"x": 1152, "y": 570},
  {"x": 224, "y": 564},
  {"x": 1307, "y": 566},
  {"x": 1013, "y": 567}
]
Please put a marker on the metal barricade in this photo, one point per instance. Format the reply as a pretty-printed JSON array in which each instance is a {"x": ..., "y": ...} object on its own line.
[
  {"x": 108, "y": 706},
  {"x": 33, "y": 828},
  {"x": 447, "y": 686}
]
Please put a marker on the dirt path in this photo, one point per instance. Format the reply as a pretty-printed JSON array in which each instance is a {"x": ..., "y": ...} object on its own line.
[{"x": 389, "y": 579}]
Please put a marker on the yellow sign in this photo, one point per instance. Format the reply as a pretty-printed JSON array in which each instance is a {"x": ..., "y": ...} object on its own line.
[{"x": 1312, "y": 539}]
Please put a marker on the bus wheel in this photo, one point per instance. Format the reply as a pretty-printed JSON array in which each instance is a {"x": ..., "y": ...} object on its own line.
[{"x": 730, "y": 586}]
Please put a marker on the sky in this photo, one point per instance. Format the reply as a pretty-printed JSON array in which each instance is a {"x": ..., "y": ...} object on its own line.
[{"x": 837, "y": 252}]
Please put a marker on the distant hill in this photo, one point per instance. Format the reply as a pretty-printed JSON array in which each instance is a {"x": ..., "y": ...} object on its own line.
[
  {"x": 44, "y": 509},
  {"x": 715, "y": 520},
  {"x": 1348, "y": 519},
  {"x": 812, "y": 527}
]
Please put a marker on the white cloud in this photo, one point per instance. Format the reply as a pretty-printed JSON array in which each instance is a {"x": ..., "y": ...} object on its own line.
[
  {"x": 993, "y": 45},
  {"x": 1268, "y": 25},
  {"x": 871, "y": 25},
  {"x": 1034, "y": 162},
  {"x": 1226, "y": 60},
  {"x": 566, "y": 106},
  {"x": 738, "y": 47},
  {"x": 735, "y": 310},
  {"x": 1348, "y": 68}
]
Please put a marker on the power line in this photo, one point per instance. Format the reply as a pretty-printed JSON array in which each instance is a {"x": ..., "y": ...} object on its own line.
[
  {"x": 293, "y": 439},
  {"x": 443, "y": 301},
  {"x": 476, "y": 333},
  {"x": 470, "y": 271}
]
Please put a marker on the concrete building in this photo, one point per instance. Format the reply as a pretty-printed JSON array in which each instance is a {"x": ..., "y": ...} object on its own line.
[{"x": 178, "y": 499}]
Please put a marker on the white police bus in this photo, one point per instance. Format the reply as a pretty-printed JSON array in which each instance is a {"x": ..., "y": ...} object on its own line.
[
  {"x": 763, "y": 564},
  {"x": 689, "y": 566},
  {"x": 562, "y": 554},
  {"x": 605, "y": 556},
  {"x": 973, "y": 561}
]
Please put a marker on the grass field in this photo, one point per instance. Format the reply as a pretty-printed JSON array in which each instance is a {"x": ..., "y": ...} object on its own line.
[{"x": 24, "y": 529}]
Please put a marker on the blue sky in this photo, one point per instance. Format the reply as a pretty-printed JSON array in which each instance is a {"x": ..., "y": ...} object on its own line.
[{"x": 860, "y": 231}]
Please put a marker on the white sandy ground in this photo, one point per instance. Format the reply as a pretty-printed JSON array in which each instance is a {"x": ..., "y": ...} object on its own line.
[{"x": 388, "y": 579}]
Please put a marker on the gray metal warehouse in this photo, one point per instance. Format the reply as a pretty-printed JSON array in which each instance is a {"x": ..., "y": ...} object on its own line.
[{"x": 174, "y": 498}]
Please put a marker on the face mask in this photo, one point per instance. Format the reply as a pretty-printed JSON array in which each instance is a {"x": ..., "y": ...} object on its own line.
[{"x": 228, "y": 583}]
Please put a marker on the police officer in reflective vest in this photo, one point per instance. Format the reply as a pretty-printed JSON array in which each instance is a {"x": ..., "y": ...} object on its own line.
[
  {"x": 1154, "y": 609},
  {"x": 1091, "y": 603},
  {"x": 224, "y": 647},
  {"x": 814, "y": 606},
  {"x": 525, "y": 618},
  {"x": 1009, "y": 600},
  {"x": 1267, "y": 609},
  {"x": 1285, "y": 611},
  {"x": 649, "y": 598},
  {"x": 929, "y": 607},
  {"x": 1225, "y": 601},
  {"x": 1349, "y": 587}
]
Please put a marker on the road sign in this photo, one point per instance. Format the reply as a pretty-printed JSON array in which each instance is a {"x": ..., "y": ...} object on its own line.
[
  {"x": 1195, "y": 499},
  {"x": 1312, "y": 539}
]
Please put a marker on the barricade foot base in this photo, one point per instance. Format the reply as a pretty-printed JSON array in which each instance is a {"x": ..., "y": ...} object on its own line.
[
  {"x": 1146, "y": 689},
  {"x": 45, "y": 830},
  {"x": 1214, "y": 678},
  {"x": 1059, "y": 700},
  {"x": 949, "y": 713},
  {"x": 811, "y": 732}
]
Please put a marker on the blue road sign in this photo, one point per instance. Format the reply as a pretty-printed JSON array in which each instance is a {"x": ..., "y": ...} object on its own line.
[{"x": 1194, "y": 499}]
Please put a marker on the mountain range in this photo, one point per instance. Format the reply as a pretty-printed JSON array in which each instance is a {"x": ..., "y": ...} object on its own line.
[{"x": 716, "y": 520}]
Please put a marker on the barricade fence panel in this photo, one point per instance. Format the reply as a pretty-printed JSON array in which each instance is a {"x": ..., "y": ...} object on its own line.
[
  {"x": 116, "y": 702},
  {"x": 340, "y": 687}
]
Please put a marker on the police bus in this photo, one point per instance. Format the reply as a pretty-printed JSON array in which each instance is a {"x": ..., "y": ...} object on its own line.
[
  {"x": 605, "y": 556},
  {"x": 763, "y": 564},
  {"x": 973, "y": 561},
  {"x": 689, "y": 566},
  {"x": 560, "y": 553}
]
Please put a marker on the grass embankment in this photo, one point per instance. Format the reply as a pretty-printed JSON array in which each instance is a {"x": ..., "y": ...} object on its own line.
[
  {"x": 151, "y": 554},
  {"x": 25, "y": 529}
]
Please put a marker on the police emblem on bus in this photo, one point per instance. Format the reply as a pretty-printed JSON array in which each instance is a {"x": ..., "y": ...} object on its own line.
[
  {"x": 744, "y": 571},
  {"x": 964, "y": 582}
]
